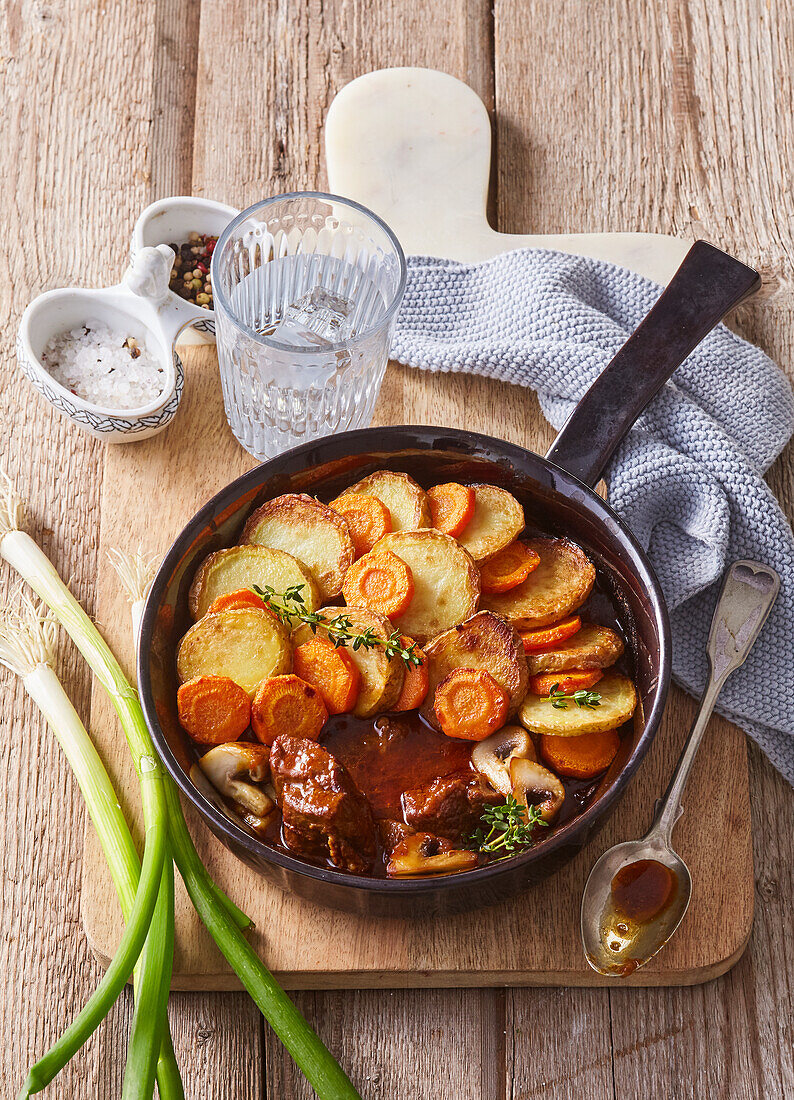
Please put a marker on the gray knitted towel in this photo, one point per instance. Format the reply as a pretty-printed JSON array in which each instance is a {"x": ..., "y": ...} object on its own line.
[{"x": 689, "y": 477}]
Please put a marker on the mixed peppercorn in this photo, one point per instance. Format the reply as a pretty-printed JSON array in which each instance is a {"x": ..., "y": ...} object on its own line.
[{"x": 190, "y": 275}]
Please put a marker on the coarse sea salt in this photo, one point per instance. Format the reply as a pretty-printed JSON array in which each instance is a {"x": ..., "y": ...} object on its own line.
[{"x": 104, "y": 366}]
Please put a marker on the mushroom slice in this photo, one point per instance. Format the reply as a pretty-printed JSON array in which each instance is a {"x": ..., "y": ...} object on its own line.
[
  {"x": 493, "y": 756},
  {"x": 235, "y": 770},
  {"x": 534, "y": 785},
  {"x": 426, "y": 854}
]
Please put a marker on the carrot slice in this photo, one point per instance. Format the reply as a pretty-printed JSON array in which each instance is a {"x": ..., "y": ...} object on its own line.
[
  {"x": 213, "y": 709},
  {"x": 470, "y": 704},
  {"x": 232, "y": 601},
  {"x": 416, "y": 682},
  {"x": 381, "y": 582},
  {"x": 535, "y": 641},
  {"x": 580, "y": 757},
  {"x": 578, "y": 679},
  {"x": 367, "y": 517},
  {"x": 509, "y": 568},
  {"x": 451, "y": 507},
  {"x": 287, "y": 705},
  {"x": 330, "y": 670}
]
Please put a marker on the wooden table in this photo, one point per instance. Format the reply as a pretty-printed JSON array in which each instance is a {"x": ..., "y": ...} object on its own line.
[{"x": 608, "y": 115}]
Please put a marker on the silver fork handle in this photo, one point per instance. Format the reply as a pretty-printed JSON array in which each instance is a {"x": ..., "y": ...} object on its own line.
[{"x": 749, "y": 590}]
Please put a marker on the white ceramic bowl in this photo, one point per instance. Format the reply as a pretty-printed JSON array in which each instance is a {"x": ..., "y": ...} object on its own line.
[
  {"x": 137, "y": 306},
  {"x": 173, "y": 219}
]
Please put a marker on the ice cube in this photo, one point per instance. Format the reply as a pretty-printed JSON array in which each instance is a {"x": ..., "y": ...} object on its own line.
[{"x": 317, "y": 320}]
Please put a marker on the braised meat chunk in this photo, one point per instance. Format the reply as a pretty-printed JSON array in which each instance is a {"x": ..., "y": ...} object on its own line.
[
  {"x": 450, "y": 806},
  {"x": 325, "y": 815}
]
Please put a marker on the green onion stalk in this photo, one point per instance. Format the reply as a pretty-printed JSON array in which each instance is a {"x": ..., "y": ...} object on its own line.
[
  {"x": 22, "y": 553},
  {"x": 321, "y": 1070},
  {"x": 27, "y": 645}
]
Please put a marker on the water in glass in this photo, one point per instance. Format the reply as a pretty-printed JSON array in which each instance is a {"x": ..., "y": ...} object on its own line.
[{"x": 309, "y": 289}]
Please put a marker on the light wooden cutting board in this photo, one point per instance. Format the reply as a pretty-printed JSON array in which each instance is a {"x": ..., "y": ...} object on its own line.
[{"x": 152, "y": 488}]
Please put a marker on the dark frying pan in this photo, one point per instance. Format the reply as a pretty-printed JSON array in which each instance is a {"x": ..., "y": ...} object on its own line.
[{"x": 556, "y": 491}]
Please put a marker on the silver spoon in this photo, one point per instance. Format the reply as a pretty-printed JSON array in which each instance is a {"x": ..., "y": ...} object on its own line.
[{"x": 623, "y": 927}]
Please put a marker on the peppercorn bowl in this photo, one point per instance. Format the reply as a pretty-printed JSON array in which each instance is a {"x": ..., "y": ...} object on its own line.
[{"x": 171, "y": 221}]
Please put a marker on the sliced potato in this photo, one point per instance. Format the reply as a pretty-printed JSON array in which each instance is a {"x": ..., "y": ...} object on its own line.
[
  {"x": 407, "y": 502},
  {"x": 243, "y": 566},
  {"x": 310, "y": 531},
  {"x": 591, "y": 647},
  {"x": 618, "y": 700},
  {"x": 381, "y": 676},
  {"x": 246, "y": 645},
  {"x": 559, "y": 585},
  {"x": 485, "y": 642},
  {"x": 446, "y": 581},
  {"x": 497, "y": 521}
]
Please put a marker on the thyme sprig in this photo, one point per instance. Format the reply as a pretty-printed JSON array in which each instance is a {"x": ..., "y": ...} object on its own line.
[
  {"x": 588, "y": 699},
  {"x": 289, "y": 607},
  {"x": 509, "y": 828}
]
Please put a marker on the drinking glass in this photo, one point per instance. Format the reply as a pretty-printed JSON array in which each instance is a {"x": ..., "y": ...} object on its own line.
[{"x": 307, "y": 287}]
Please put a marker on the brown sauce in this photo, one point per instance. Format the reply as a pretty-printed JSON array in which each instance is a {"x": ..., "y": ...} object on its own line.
[
  {"x": 643, "y": 890},
  {"x": 392, "y": 753}
]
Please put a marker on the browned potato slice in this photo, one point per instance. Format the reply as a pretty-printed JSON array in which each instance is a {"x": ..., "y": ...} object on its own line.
[
  {"x": 591, "y": 647},
  {"x": 484, "y": 641},
  {"x": 246, "y": 645},
  {"x": 446, "y": 581},
  {"x": 243, "y": 566},
  {"x": 497, "y": 521},
  {"x": 559, "y": 585},
  {"x": 618, "y": 700},
  {"x": 407, "y": 502},
  {"x": 310, "y": 531},
  {"x": 381, "y": 676}
]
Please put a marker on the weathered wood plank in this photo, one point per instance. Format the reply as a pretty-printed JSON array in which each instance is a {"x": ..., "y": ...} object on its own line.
[
  {"x": 558, "y": 1043},
  {"x": 708, "y": 169},
  {"x": 434, "y": 1044},
  {"x": 218, "y": 1044}
]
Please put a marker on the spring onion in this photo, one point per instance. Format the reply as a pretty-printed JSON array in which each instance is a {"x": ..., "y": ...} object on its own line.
[
  {"x": 151, "y": 1010},
  {"x": 115, "y": 978},
  {"x": 27, "y": 643},
  {"x": 320, "y": 1068}
]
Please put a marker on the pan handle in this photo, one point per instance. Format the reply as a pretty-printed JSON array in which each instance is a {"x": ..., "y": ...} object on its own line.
[{"x": 706, "y": 286}]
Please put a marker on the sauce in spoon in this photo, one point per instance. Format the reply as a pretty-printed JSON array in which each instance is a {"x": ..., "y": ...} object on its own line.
[{"x": 640, "y": 894}]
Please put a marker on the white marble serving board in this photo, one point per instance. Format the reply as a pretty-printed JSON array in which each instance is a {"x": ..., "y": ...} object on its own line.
[{"x": 414, "y": 145}]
